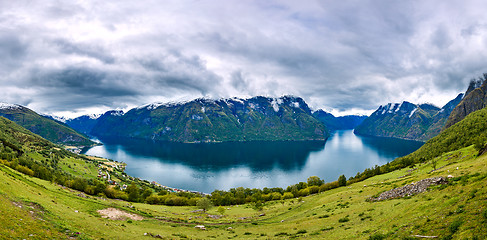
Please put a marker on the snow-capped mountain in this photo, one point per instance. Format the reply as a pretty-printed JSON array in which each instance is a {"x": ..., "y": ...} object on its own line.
[
  {"x": 212, "y": 120},
  {"x": 407, "y": 120}
]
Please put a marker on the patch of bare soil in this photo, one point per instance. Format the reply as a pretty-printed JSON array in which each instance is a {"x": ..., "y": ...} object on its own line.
[{"x": 116, "y": 214}]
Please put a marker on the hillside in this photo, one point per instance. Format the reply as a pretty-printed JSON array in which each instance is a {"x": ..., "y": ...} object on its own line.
[
  {"x": 407, "y": 121},
  {"x": 45, "y": 127},
  {"x": 475, "y": 99},
  {"x": 205, "y": 120},
  {"x": 472, "y": 130},
  {"x": 338, "y": 123}
]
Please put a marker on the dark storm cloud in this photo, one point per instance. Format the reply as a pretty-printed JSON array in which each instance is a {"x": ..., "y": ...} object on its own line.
[
  {"x": 62, "y": 56},
  {"x": 96, "y": 52},
  {"x": 12, "y": 51}
]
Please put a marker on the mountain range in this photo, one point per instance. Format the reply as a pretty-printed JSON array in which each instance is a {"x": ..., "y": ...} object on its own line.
[
  {"x": 259, "y": 118},
  {"x": 406, "y": 120}
]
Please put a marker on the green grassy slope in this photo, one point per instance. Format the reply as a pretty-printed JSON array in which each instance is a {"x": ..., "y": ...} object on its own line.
[
  {"x": 45, "y": 127},
  {"x": 458, "y": 210},
  {"x": 469, "y": 131}
]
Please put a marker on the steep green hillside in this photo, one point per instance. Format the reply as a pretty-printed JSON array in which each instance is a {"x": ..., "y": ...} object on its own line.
[
  {"x": 338, "y": 123},
  {"x": 407, "y": 120},
  {"x": 45, "y": 127},
  {"x": 472, "y": 130},
  {"x": 204, "y": 120}
]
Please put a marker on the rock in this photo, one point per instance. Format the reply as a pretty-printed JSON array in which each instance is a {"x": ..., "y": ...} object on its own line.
[
  {"x": 201, "y": 227},
  {"x": 262, "y": 214},
  {"x": 229, "y": 228},
  {"x": 410, "y": 189},
  {"x": 450, "y": 176}
]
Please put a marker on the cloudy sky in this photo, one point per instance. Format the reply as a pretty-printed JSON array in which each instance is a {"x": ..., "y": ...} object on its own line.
[{"x": 75, "y": 57}]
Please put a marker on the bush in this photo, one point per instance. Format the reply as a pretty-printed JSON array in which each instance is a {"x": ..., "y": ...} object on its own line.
[
  {"x": 377, "y": 236},
  {"x": 25, "y": 170},
  {"x": 455, "y": 225},
  {"x": 303, "y": 192},
  {"x": 344, "y": 219},
  {"x": 287, "y": 195},
  {"x": 313, "y": 189},
  {"x": 328, "y": 186}
]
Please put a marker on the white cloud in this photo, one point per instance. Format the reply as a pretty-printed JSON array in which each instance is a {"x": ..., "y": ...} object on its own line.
[{"x": 342, "y": 56}]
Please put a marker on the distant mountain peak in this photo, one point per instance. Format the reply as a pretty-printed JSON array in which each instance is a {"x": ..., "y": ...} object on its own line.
[
  {"x": 407, "y": 120},
  {"x": 9, "y": 106},
  {"x": 403, "y": 108}
]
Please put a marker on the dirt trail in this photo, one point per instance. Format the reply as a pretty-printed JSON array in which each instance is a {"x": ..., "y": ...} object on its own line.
[{"x": 116, "y": 214}]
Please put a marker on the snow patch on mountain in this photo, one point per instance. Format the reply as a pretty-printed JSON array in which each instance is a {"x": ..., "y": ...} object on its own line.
[
  {"x": 275, "y": 105},
  {"x": 94, "y": 116},
  {"x": 412, "y": 112},
  {"x": 9, "y": 106},
  {"x": 117, "y": 113}
]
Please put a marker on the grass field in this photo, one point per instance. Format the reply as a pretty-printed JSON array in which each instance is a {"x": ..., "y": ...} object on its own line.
[{"x": 31, "y": 208}]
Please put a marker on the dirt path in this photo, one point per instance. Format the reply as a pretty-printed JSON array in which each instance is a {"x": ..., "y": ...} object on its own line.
[{"x": 116, "y": 214}]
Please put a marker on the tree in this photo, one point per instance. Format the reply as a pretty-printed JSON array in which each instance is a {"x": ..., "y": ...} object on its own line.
[
  {"x": 342, "y": 181},
  {"x": 315, "y": 181},
  {"x": 434, "y": 161},
  {"x": 133, "y": 192},
  {"x": 221, "y": 210},
  {"x": 204, "y": 203}
]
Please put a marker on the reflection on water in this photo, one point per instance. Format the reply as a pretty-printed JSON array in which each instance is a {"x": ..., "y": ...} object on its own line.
[
  {"x": 206, "y": 167},
  {"x": 259, "y": 156}
]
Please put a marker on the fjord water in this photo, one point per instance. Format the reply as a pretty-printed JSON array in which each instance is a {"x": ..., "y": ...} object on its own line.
[{"x": 209, "y": 166}]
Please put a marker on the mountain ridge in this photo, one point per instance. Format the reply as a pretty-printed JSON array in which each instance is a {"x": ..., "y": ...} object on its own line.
[
  {"x": 475, "y": 99},
  {"x": 406, "y": 120},
  {"x": 258, "y": 118},
  {"x": 48, "y": 128}
]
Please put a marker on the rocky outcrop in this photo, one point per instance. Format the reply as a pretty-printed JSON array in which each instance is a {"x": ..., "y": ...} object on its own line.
[
  {"x": 410, "y": 189},
  {"x": 475, "y": 99}
]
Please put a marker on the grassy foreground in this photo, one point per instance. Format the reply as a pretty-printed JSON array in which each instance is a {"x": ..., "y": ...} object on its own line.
[{"x": 31, "y": 208}]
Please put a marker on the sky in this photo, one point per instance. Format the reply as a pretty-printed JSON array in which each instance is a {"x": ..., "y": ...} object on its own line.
[{"x": 69, "y": 58}]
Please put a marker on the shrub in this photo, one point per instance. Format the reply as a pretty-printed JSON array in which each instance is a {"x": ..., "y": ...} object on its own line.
[
  {"x": 455, "y": 225},
  {"x": 344, "y": 219},
  {"x": 287, "y": 195},
  {"x": 377, "y": 236}
]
